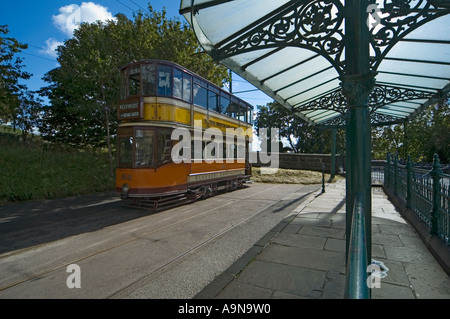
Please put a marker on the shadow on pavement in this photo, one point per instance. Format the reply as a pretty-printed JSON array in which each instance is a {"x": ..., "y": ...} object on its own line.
[{"x": 28, "y": 224}]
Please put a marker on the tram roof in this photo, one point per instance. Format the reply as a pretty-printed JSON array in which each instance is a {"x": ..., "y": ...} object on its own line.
[{"x": 294, "y": 52}]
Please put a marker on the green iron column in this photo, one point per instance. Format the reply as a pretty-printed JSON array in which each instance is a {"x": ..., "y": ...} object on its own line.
[
  {"x": 333, "y": 154},
  {"x": 357, "y": 84}
]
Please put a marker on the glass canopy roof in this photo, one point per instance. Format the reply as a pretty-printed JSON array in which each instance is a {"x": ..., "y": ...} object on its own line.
[{"x": 294, "y": 51}]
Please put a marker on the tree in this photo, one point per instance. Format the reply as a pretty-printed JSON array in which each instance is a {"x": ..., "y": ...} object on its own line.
[
  {"x": 11, "y": 72},
  {"x": 301, "y": 136},
  {"x": 425, "y": 135},
  {"x": 18, "y": 105},
  {"x": 84, "y": 89}
]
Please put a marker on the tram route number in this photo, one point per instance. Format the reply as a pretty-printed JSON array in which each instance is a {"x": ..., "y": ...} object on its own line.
[{"x": 246, "y": 308}]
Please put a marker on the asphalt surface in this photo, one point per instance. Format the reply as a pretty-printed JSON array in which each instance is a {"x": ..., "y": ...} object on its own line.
[{"x": 130, "y": 253}]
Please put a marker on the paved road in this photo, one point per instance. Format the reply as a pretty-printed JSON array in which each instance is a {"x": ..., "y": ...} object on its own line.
[{"x": 129, "y": 253}]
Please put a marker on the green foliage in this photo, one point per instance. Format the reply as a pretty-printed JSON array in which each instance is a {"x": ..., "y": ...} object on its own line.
[
  {"x": 37, "y": 170},
  {"x": 10, "y": 74},
  {"x": 84, "y": 90},
  {"x": 301, "y": 136},
  {"x": 17, "y": 104},
  {"x": 427, "y": 134}
]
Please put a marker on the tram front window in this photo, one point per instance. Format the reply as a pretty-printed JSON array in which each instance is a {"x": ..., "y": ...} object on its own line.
[
  {"x": 134, "y": 81},
  {"x": 144, "y": 148},
  {"x": 125, "y": 151}
]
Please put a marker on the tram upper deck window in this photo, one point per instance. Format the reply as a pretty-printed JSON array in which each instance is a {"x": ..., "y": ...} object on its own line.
[
  {"x": 187, "y": 87},
  {"x": 148, "y": 79},
  {"x": 177, "y": 83},
  {"x": 164, "y": 80},
  {"x": 134, "y": 81},
  {"x": 232, "y": 110},
  {"x": 242, "y": 113},
  {"x": 182, "y": 85},
  {"x": 200, "y": 94},
  {"x": 212, "y": 100},
  {"x": 224, "y": 103}
]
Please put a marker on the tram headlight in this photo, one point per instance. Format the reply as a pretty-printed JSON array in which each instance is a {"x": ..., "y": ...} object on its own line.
[{"x": 125, "y": 188}]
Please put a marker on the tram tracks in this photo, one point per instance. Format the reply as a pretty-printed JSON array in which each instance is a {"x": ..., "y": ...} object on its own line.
[{"x": 134, "y": 236}]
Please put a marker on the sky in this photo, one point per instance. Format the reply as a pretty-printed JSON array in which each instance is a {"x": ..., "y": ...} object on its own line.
[{"x": 45, "y": 24}]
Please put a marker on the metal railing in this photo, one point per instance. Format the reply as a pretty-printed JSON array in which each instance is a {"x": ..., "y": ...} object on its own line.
[
  {"x": 426, "y": 192},
  {"x": 357, "y": 261}
]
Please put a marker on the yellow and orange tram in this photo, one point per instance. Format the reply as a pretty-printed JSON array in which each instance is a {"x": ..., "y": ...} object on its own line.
[{"x": 169, "y": 148}]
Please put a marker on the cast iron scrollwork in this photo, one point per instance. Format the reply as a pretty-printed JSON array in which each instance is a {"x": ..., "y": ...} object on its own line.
[
  {"x": 387, "y": 94},
  {"x": 316, "y": 25},
  {"x": 334, "y": 100},
  {"x": 396, "y": 18},
  {"x": 379, "y": 118},
  {"x": 376, "y": 119}
]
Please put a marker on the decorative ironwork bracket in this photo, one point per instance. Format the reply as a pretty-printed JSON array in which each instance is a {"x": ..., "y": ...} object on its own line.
[
  {"x": 334, "y": 100},
  {"x": 394, "y": 19},
  {"x": 376, "y": 119},
  {"x": 380, "y": 96},
  {"x": 387, "y": 94},
  {"x": 314, "y": 25}
]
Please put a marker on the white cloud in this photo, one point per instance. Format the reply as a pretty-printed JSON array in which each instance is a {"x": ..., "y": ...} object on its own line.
[
  {"x": 71, "y": 16},
  {"x": 50, "y": 47}
]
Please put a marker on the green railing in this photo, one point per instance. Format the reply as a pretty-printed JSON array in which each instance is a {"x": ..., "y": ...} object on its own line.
[
  {"x": 357, "y": 261},
  {"x": 425, "y": 192}
]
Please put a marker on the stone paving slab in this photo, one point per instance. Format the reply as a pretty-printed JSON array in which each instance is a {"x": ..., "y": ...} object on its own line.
[{"x": 304, "y": 256}]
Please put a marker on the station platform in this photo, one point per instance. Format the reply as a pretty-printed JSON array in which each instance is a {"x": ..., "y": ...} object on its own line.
[{"x": 303, "y": 257}]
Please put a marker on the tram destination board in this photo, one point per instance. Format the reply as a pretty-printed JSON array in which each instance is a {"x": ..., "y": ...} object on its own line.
[{"x": 130, "y": 110}]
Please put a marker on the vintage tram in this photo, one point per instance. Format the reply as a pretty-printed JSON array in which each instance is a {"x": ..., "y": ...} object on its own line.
[{"x": 160, "y": 98}]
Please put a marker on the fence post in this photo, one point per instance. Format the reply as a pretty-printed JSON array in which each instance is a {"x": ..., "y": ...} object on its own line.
[
  {"x": 435, "y": 174},
  {"x": 323, "y": 178},
  {"x": 395, "y": 172},
  {"x": 386, "y": 169},
  {"x": 408, "y": 181}
]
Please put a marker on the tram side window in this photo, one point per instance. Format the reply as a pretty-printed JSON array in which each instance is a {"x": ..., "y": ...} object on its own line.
[
  {"x": 144, "y": 148},
  {"x": 134, "y": 81},
  {"x": 177, "y": 83},
  {"x": 165, "y": 143},
  {"x": 242, "y": 113},
  {"x": 212, "y": 101},
  {"x": 164, "y": 79},
  {"x": 200, "y": 96},
  {"x": 224, "y": 103},
  {"x": 187, "y": 87},
  {"x": 148, "y": 79},
  {"x": 232, "y": 110}
]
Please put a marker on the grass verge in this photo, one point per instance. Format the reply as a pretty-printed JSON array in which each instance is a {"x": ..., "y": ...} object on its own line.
[
  {"x": 36, "y": 170},
  {"x": 287, "y": 176}
]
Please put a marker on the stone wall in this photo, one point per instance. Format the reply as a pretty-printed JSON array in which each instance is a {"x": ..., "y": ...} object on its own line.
[{"x": 311, "y": 162}]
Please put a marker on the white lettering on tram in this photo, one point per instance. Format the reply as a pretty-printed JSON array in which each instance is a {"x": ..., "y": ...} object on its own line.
[{"x": 210, "y": 146}]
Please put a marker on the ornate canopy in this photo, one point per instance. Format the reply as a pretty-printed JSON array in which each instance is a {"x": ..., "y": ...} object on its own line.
[{"x": 294, "y": 51}]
